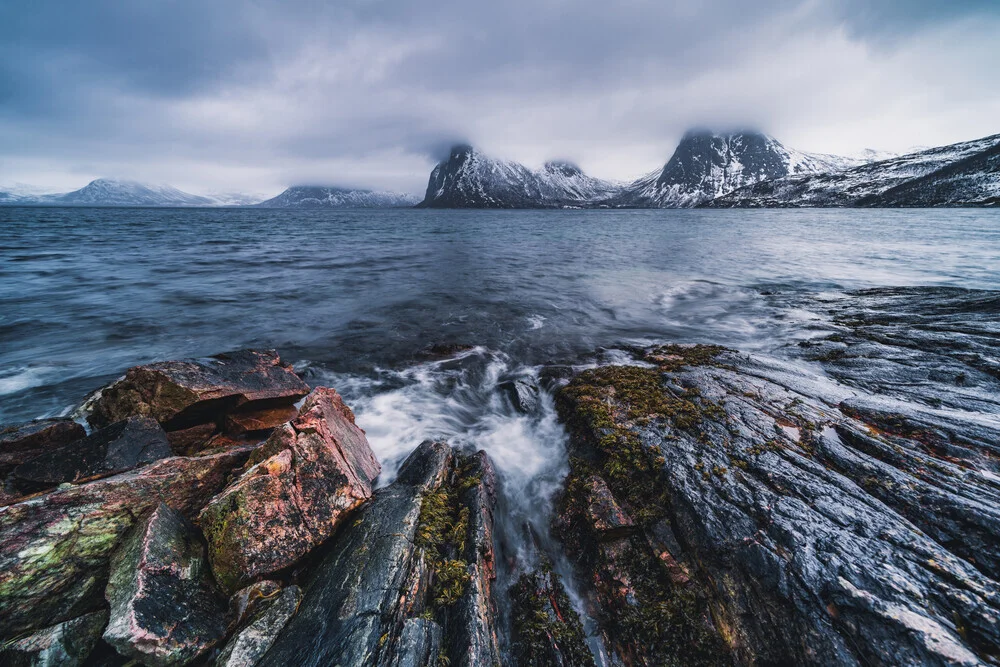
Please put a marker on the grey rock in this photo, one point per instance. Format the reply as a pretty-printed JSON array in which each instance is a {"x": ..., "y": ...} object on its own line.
[
  {"x": 522, "y": 393},
  {"x": 65, "y": 644},
  {"x": 249, "y": 644},
  {"x": 23, "y": 442},
  {"x": 164, "y": 609},
  {"x": 129, "y": 444}
]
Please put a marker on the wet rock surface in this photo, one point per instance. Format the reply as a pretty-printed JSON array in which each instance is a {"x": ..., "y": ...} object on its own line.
[
  {"x": 270, "y": 614},
  {"x": 55, "y": 549},
  {"x": 22, "y": 442},
  {"x": 396, "y": 583},
  {"x": 302, "y": 482},
  {"x": 181, "y": 394},
  {"x": 546, "y": 628},
  {"x": 772, "y": 526},
  {"x": 129, "y": 444},
  {"x": 164, "y": 609},
  {"x": 66, "y": 644}
]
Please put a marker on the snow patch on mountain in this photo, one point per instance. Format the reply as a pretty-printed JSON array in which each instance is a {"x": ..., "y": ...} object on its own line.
[
  {"x": 335, "y": 197},
  {"x": 112, "y": 192}
]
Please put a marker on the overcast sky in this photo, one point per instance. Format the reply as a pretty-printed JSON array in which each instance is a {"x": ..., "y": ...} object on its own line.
[{"x": 222, "y": 95}]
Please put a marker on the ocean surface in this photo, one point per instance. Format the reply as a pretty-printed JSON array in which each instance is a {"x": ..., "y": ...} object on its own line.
[{"x": 416, "y": 316}]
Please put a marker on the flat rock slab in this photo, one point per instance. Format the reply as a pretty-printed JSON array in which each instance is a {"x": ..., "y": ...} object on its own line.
[
  {"x": 131, "y": 443},
  {"x": 23, "y": 442},
  {"x": 55, "y": 549},
  {"x": 66, "y": 644},
  {"x": 181, "y": 394},
  {"x": 164, "y": 609},
  {"x": 309, "y": 474}
]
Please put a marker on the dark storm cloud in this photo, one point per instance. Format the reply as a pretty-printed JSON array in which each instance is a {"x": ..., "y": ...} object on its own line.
[{"x": 264, "y": 92}]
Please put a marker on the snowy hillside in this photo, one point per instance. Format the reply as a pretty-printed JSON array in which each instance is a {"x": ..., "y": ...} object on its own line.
[
  {"x": 948, "y": 175},
  {"x": 110, "y": 192},
  {"x": 706, "y": 165},
  {"x": 471, "y": 179},
  {"x": 332, "y": 197}
]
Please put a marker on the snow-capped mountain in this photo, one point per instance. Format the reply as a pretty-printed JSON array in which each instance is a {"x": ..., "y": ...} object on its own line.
[
  {"x": 471, "y": 179},
  {"x": 332, "y": 197},
  {"x": 111, "y": 192},
  {"x": 235, "y": 198},
  {"x": 706, "y": 165},
  {"x": 960, "y": 174}
]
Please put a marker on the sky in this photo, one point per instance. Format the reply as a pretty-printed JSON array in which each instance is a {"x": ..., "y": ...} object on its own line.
[{"x": 256, "y": 95}]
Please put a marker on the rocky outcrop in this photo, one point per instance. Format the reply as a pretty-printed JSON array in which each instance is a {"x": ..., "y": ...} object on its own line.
[
  {"x": 396, "y": 584},
  {"x": 249, "y": 644},
  {"x": 66, "y": 644},
  {"x": 164, "y": 609},
  {"x": 303, "y": 481},
  {"x": 129, "y": 444},
  {"x": 182, "y": 394},
  {"x": 755, "y": 523},
  {"x": 546, "y": 629},
  {"x": 55, "y": 549},
  {"x": 22, "y": 442}
]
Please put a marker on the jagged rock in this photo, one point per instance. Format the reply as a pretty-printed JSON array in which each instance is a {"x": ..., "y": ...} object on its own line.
[
  {"x": 603, "y": 512},
  {"x": 522, "y": 393},
  {"x": 472, "y": 635},
  {"x": 547, "y": 630},
  {"x": 376, "y": 577},
  {"x": 421, "y": 550},
  {"x": 164, "y": 610},
  {"x": 55, "y": 549},
  {"x": 304, "y": 480},
  {"x": 65, "y": 644},
  {"x": 246, "y": 602},
  {"x": 190, "y": 441},
  {"x": 23, "y": 442},
  {"x": 181, "y": 394},
  {"x": 249, "y": 644},
  {"x": 249, "y": 421},
  {"x": 795, "y": 531},
  {"x": 128, "y": 444}
]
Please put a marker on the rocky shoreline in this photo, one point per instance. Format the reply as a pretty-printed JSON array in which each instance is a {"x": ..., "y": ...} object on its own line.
[{"x": 717, "y": 511}]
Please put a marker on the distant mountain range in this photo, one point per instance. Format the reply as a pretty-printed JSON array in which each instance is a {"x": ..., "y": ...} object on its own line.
[
  {"x": 730, "y": 170},
  {"x": 330, "y": 197},
  {"x": 740, "y": 169}
]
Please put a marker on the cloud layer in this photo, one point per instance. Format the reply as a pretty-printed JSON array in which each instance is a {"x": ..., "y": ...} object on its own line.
[{"x": 234, "y": 95}]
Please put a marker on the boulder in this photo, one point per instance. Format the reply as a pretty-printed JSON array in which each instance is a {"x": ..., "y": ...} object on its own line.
[
  {"x": 523, "y": 394},
  {"x": 164, "y": 610},
  {"x": 66, "y": 644},
  {"x": 181, "y": 394},
  {"x": 23, "y": 442},
  {"x": 361, "y": 593},
  {"x": 250, "y": 643},
  {"x": 55, "y": 549},
  {"x": 128, "y": 444},
  {"x": 190, "y": 441},
  {"x": 304, "y": 480},
  {"x": 251, "y": 421},
  {"x": 771, "y": 526}
]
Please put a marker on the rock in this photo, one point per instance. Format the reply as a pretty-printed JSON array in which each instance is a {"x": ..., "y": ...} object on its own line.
[
  {"x": 522, "y": 393},
  {"x": 772, "y": 527},
  {"x": 249, "y": 644},
  {"x": 164, "y": 610},
  {"x": 305, "y": 479},
  {"x": 374, "y": 578},
  {"x": 249, "y": 421},
  {"x": 190, "y": 441},
  {"x": 128, "y": 444},
  {"x": 546, "y": 628},
  {"x": 246, "y": 602},
  {"x": 603, "y": 512},
  {"x": 418, "y": 558},
  {"x": 181, "y": 394},
  {"x": 23, "y": 442},
  {"x": 65, "y": 644},
  {"x": 472, "y": 635},
  {"x": 55, "y": 549}
]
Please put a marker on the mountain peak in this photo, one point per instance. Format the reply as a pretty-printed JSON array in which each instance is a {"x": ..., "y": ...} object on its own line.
[{"x": 562, "y": 167}]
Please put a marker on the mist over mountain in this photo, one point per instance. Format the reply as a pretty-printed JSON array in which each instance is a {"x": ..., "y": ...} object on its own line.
[{"x": 334, "y": 197}]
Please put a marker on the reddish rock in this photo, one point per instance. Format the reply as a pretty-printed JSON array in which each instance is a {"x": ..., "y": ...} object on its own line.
[
  {"x": 128, "y": 444},
  {"x": 603, "y": 512},
  {"x": 23, "y": 442},
  {"x": 181, "y": 394},
  {"x": 244, "y": 421},
  {"x": 55, "y": 549},
  {"x": 164, "y": 609},
  {"x": 190, "y": 441},
  {"x": 302, "y": 481}
]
